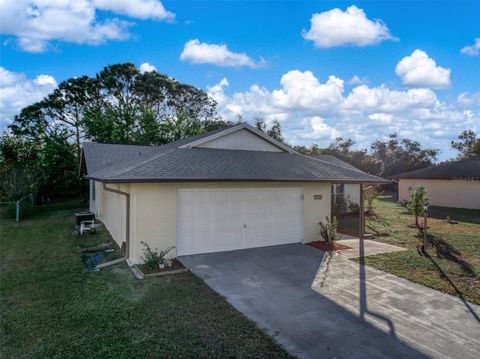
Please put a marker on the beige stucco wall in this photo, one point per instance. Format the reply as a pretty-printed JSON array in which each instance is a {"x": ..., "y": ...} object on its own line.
[
  {"x": 446, "y": 193},
  {"x": 153, "y": 211},
  {"x": 111, "y": 210}
]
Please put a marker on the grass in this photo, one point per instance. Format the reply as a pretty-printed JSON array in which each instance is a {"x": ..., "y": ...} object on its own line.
[
  {"x": 50, "y": 309},
  {"x": 453, "y": 263}
]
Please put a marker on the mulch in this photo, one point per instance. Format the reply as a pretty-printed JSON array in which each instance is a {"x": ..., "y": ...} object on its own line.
[
  {"x": 175, "y": 266},
  {"x": 327, "y": 247}
]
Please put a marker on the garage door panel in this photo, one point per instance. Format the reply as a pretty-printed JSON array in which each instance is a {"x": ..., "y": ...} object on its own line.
[{"x": 211, "y": 220}]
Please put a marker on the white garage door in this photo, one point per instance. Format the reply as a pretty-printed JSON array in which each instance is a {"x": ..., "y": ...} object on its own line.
[{"x": 222, "y": 219}]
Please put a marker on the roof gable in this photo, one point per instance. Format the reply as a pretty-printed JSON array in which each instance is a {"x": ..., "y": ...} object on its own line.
[{"x": 240, "y": 137}]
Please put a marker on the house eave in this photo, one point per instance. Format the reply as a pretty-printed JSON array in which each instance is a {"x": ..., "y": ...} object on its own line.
[{"x": 243, "y": 180}]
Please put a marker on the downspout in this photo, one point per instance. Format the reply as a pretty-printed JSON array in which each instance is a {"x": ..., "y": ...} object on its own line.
[{"x": 127, "y": 227}]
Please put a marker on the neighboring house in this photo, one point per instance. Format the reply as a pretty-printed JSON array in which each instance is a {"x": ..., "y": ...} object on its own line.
[
  {"x": 228, "y": 189},
  {"x": 451, "y": 184}
]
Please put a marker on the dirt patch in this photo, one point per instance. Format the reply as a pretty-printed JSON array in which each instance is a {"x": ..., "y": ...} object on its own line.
[
  {"x": 176, "y": 265},
  {"x": 327, "y": 247}
]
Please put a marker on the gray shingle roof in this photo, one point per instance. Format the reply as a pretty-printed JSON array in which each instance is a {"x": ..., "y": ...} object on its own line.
[
  {"x": 169, "y": 163},
  {"x": 469, "y": 168}
]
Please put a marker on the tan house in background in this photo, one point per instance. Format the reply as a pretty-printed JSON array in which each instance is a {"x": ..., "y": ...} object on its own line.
[
  {"x": 228, "y": 189},
  {"x": 452, "y": 184}
]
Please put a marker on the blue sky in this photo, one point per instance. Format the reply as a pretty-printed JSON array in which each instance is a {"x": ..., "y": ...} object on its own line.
[{"x": 275, "y": 61}]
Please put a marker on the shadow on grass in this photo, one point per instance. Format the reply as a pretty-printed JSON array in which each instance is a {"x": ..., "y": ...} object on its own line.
[
  {"x": 459, "y": 214},
  {"x": 446, "y": 251},
  {"x": 459, "y": 293}
]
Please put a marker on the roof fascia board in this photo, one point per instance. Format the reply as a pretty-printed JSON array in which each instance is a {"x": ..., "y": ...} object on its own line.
[{"x": 232, "y": 180}]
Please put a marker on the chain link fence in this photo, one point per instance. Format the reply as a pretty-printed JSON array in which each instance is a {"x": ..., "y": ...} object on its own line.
[{"x": 17, "y": 209}]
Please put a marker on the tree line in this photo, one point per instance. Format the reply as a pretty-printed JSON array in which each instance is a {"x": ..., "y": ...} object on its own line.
[{"x": 40, "y": 151}]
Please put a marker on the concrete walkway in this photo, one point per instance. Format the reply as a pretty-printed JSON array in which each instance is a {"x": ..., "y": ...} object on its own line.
[
  {"x": 369, "y": 247},
  {"x": 324, "y": 305}
]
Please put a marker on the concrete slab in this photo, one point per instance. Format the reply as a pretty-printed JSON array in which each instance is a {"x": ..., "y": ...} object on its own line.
[
  {"x": 324, "y": 305},
  {"x": 370, "y": 247}
]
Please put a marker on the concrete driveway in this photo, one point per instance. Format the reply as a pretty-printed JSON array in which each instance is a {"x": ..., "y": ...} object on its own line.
[{"x": 319, "y": 305}]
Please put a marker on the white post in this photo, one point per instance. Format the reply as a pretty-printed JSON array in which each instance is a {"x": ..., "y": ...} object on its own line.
[{"x": 17, "y": 217}]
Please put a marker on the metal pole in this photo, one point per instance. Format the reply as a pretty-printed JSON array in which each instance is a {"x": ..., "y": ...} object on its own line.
[
  {"x": 425, "y": 210},
  {"x": 17, "y": 216},
  {"x": 361, "y": 224}
]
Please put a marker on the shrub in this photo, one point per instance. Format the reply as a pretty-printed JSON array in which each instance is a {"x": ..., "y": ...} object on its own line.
[
  {"x": 153, "y": 257},
  {"x": 417, "y": 201},
  {"x": 328, "y": 230}
]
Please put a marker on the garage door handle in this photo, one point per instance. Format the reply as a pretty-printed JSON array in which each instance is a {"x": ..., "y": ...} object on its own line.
[{"x": 244, "y": 226}]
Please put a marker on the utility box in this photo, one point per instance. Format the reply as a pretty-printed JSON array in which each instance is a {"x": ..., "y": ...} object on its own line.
[{"x": 84, "y": 216}]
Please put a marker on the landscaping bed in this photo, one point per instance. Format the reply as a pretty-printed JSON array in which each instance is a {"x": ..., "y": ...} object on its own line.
[
  {"x": 176, "y": 267},
  {"x": 328, "y": 247}
]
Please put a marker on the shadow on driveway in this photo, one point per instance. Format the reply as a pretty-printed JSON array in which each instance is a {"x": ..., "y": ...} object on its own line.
[{"x": 323, "y": 305}]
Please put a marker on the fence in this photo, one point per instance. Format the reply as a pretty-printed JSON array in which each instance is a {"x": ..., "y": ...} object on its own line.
[{"x": 18, "y": 205}]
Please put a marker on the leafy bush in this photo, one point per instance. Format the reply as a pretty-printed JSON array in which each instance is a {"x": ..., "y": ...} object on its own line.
[
  {"x": 417, "y": 201},
  {"x": 371, "y": 193},
  {"x": 328, "y": 230},
  {"x": 153, "y": 257}
]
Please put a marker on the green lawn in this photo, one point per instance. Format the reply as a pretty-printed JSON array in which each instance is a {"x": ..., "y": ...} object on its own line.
[
  {"x": 453, "y": 265},
  {"x": 50, "y": 309}
]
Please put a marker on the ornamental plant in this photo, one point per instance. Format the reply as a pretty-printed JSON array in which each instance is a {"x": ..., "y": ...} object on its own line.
[
  {"x": 417, "y": 202},
  {"x": 153, "y": 257},
  {"x": 328, "y": 230}
]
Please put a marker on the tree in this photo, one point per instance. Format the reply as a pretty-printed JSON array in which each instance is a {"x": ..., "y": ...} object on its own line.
[
  {"x": 118, "y": 105},
  {"x": 417, "y": 201},
  {"x": 275, "y": 130},
  {"x": 63, "y": 110},
  {"x": 397, "y": 155},
  {"x": 145, "y": 108},
  {"x": 468, "y": 144}
]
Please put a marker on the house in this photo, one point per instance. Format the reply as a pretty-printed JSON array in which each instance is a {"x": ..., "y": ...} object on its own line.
[
  {"x": 228, "y": 189},
  {"x": 450, "y": 184}
]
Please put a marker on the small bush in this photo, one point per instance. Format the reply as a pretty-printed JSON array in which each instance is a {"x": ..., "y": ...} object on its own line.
[
  {"x": 417, "y": 202},
  {"x": 328, "y": 230},
  {"x": 153, "y": 257}
]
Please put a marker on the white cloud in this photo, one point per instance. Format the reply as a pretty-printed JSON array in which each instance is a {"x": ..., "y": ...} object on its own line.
[
  {"x": 17, "y": 92},
  {"x": 140, "y": 9},
  {"x": 340, "y": 28},
  {"x": 315, "y": 128},
  {"x": 312, "y": 111},
  {"x": 198, "y": 52},
  {"x": 302, "y": 90},
  {"x": 146, "y": 67},
  {"x": 381, "y": 98},
  {"x": 419, "y": 69},
  {"x": 35, "y": 23},
  {"x": 381, "y": 117},
  {"x": 469, "y": 99},
  {"x": 357, "y": 80},
  {"x": 472, "y": 50}
]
